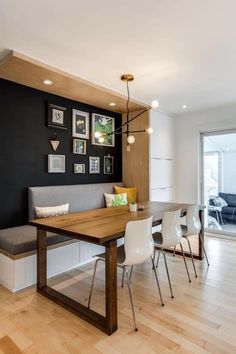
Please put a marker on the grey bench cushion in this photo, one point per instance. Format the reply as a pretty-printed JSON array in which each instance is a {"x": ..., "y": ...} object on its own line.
[
  {"x": 80, "y": 196},
  {"x": 16, "y": 240}
]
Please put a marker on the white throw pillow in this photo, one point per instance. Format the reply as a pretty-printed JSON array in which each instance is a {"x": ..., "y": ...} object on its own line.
[
  {"x": 113, "y": 200},
  {"x": 45, "y": 212}
]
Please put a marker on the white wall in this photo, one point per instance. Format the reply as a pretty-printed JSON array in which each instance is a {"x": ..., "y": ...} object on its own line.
[
  {"x": 229, "y": 172},
  {"x": 187, "y": 132}
]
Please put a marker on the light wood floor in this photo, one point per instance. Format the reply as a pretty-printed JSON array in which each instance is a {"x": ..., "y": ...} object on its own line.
[{"x": 201, "y": 318}]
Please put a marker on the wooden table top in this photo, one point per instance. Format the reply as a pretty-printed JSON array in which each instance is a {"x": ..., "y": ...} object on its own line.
[{"x": 105, "y": 224}]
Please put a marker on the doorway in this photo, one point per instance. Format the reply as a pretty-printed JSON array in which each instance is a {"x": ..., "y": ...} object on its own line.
[{"x": 218, "y": 181}]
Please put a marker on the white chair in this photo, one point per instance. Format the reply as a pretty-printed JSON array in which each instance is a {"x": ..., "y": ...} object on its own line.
[
  {"x": 138, "y": 248},
  {"x": 170, "y": 236},
  {"x": 193, "y": 227}
]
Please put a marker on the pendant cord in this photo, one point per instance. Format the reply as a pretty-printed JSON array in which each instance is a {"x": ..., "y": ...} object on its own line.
[{"x": 127, "y": 107}]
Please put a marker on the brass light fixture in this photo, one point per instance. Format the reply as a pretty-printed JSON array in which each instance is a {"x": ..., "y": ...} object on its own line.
[{"x": 127, "y": 78}]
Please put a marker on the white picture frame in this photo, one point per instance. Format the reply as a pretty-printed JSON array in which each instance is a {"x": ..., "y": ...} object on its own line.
[
  {"x": 56, "y": 163},
  {"x": 79, "y": 146},
  {"x": 79, "y": 168},
  {"x": 94, "y": 165},
  {"x": 80, "y": 124},
  {"x": 103, "y": 124}
]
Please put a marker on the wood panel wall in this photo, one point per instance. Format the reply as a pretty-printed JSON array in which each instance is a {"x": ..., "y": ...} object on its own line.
[{"x": 136, "y": 162}]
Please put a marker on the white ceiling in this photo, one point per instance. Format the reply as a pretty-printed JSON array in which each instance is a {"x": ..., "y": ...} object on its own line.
[
  {"x": 222, "y": 143},
  {"x": 181, "y": 52}
]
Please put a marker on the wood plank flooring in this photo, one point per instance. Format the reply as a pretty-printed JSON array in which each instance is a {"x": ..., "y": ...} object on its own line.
[{"x": 200, "y": 319}]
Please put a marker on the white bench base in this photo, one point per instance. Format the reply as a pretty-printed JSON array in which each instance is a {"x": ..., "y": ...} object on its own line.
[{"x": 17, "y": 274}]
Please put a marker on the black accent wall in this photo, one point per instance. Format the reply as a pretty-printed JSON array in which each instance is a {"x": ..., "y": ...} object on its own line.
[{"x": 24, "y": 146}]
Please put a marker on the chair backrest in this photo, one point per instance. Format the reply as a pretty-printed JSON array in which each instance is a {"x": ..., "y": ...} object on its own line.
[
  {"x": 171, "y": 229},
  {"x": 138, "y": 244},
  {"x": 192, "y": 220}
]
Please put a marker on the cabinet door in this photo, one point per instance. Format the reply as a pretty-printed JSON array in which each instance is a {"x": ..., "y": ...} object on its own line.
[
  {"x": 162, "y": 194},
  {"x": 162, "y": 138},
  {"x": 162, "y": 172}
]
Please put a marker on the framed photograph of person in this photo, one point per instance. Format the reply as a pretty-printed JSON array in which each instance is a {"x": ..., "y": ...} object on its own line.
[
  {"x": 57, "y": 116},
  {"x": 80, "y": 124},
  {"x": 108, "y": 165},
  {"x": 79, "y": 146},
  {"x": 94, "y": 164},
  {"x": 103, "y": 125}
]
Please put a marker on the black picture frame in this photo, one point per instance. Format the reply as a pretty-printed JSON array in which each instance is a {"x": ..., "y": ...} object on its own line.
[{"x": 54, "y": 118}]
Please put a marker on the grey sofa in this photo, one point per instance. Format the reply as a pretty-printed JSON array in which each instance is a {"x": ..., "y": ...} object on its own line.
[{"x": 21, "y": 239}]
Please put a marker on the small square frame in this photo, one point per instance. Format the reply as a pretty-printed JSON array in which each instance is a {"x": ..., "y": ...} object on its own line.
[{"x": 56, "y": 163}]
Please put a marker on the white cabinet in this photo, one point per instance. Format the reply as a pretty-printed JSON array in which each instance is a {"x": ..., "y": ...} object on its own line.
[
  {"x": 162, "y": 161},
  {"x": 162, "y": 138}
]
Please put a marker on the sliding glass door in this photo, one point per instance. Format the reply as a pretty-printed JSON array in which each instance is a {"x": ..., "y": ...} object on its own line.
[{"x": 218, "y": 176}]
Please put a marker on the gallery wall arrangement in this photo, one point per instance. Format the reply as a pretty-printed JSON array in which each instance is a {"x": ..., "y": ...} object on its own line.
[{"x": 49, "y": 140}]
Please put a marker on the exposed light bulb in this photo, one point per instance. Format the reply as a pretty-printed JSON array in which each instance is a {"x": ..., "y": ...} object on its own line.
[
  {"x": 101, "y": 139},
  {"x": 154, "y": 104},
  {"x": 184, "y": 106},
  {"x": 131, "y": 139},
  {"x": 48, "y": 82},
  {"x": 149, "y": 130},
  {"x": 97, "y": 135}
]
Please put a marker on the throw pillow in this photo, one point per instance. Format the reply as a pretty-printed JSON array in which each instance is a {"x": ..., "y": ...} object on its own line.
[
  {"x": 113, "y": 200},
  {"x": 45, "y": 212},
  {"x": 219, "y": 202},
  {"x": 131, "y": 193}
]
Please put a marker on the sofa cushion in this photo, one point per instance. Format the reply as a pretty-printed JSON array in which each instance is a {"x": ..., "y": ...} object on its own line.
[
  {"x": 20, "y": 239},
  {"x": 229, "y": 210},
  {"x": 229, "y": 198},
  {"x": 80, "y": 197}
]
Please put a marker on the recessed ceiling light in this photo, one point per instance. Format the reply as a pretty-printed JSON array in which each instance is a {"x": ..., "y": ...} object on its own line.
[
  {"x": 112, "y": 104},
  {"x": 184, "y": 106},
  {"x": 48, "y": 82}
]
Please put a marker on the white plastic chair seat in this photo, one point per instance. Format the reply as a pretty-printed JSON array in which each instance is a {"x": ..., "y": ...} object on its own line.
[{"x": 120, "y": 255}]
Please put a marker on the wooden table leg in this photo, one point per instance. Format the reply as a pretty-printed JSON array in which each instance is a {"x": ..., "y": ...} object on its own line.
[
  {"x": 201, "y": 234},
  {"x": 111, "y": 286},
  {"x": 41, "y": 258}
]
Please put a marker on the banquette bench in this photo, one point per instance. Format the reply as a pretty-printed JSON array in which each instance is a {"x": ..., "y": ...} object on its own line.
[{"x": 18, "y": 244}]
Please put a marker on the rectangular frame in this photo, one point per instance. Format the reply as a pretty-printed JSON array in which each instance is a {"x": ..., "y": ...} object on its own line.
[
  {"x": 107, "y": 125},
  {"x": 54, "y": 119},
  {"x": 79, "y": 168},
  {"x": 84, "y": 116},
  {"x": 59, "y": 160},
  {"x": 105, "y": 168},
  {"x": 92, "y": 161},
  {"x": 76, "y": 148}
]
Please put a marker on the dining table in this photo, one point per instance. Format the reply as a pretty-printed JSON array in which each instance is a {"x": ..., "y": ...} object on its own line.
[{"x": 103, "y": 227}]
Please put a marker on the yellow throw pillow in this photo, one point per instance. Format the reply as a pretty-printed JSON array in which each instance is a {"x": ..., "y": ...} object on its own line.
[{"x": 131, "y": 193}]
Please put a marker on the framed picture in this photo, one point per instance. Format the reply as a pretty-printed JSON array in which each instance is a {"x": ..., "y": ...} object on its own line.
[
  {"x": 103, "y": 124},
  {"x": 56, "y": 163},
  {"x": 80, "y": 124},
  {"x": 79, "y": 168},
  {"x": 57, "y": 117},
  {"x": 94, "y": 164},
  {"x": 108, "y": 165},
  {"x": 79, "y": 146}
]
